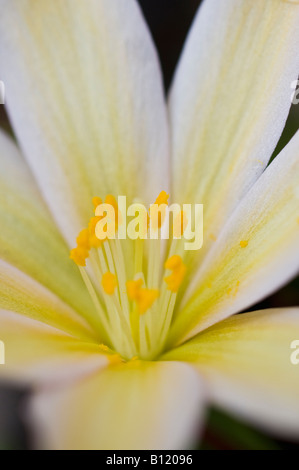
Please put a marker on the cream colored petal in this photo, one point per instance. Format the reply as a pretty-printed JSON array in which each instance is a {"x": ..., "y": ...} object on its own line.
[
  {"x": 249, "y": 363},
  {"x": 23, "y": 295},
  {"x": 29, "y": 239},
  {"x": 84, "y": 93},
  {"x": 257, "y": 252},
  {"x": 229, "y": 102},
  {"x": 133, "y": 406},
  {"x": 36, "y": 353}
]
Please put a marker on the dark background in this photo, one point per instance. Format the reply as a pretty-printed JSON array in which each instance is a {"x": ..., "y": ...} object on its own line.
[{"x": 169, "y": 21}]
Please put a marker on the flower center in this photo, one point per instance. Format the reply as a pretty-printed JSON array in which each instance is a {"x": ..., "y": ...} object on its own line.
[{"x": 133, "y": 280}]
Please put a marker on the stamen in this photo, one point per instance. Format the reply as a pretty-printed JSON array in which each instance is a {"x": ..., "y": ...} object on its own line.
[
  {"x": 79, "y": 255},
  {"x": 146, "y": 298},
  {"x": 243, "y": 243},
  {"x": 110, "y": 199},
  {"x": 142, "y": 296},
  {"x": 162, "y": 198},
  {"x": 115, "y": 359},
  {"x": 83, "y": 239},
  {"x": 93, "y": 239},
  {"x": 109, "y": 283},
  {"x": 157, "y": 217},
  {"x": 96, "y": 303},
  {"x": 133, "y": 288},
  {"x": 119, "y": 262},
  {"x": 178, "y": 268},
  {"x": 138, "y": 265},
  {"x": 109, "y": 257},
  {"x": 156, "y": 212},
  {"x": 97, "y": 201},
  {"x": 180, "y": 224}
]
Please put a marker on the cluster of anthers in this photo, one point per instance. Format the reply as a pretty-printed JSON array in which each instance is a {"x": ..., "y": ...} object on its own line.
[{"x": 132, "y": 293}]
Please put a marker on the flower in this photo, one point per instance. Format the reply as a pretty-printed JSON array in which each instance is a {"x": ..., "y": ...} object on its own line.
[{"x": 124, "y": 355}]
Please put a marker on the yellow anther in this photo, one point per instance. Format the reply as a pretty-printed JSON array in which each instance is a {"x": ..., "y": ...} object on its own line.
[
  {"x": 83, "y": 239},
  {"x": 93, "y": 239},
  {"x": 174, "y": 262},
  {"x": 178, "y": 268},
  {"x": 162, "y": 198},
  {"x": 110, "y": 199},
  {"x": 97, "y": 201},
  {"x": 104, "y": 348},
  {"x": 79, "y": 255},
  {"x": 142, "y": 296},
  {"x": 146, "y": 298},
  {"x": 109, "y": 283},
  {"x": 157, "y": 213},
  {"x": 243, "y": 243},
  {"x": 133, "y": 288},
  {"x": 180, "y": 224}
]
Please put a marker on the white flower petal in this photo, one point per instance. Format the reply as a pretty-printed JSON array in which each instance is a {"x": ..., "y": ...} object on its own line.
[
  {"x": 85, "y": 96},
  {"x": 246, "y": 360},
  {"x": 133, "y": 406},
  {"x": 36, "y": 353},
  {"x": 257, "y": 252},
  {"x": 29, "y": 239},
  {"x": 229, "y": 102},
  {"x": 23, "y": 295}
]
